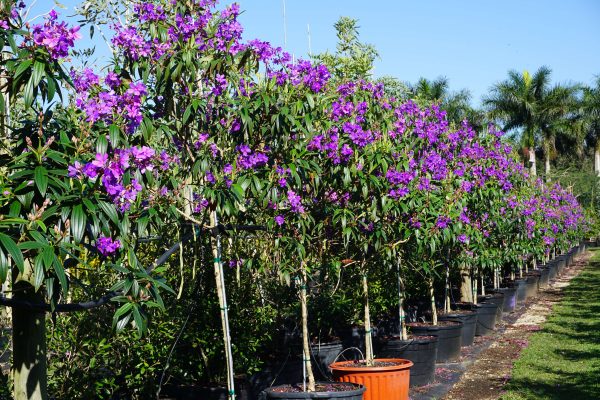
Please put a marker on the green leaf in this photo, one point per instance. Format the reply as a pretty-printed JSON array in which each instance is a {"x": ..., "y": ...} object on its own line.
[
  {"x": 78, "y": 221},
  {"x": 101, "y": 144},
  {"x": 114, "y": 134},
  {"x": 38, "y": 273},
  {"x": 3, "y": 266},
  {"x": 40, "y": 176},
  {"x": 22, "y": 67},
  {"x": 60, "y": 274},
  {"x": 124, "y": 309},
  {"x": 38, "y": 73},
  {"x": 110, "y": 210},
  {"x": 13, "y": 250}
]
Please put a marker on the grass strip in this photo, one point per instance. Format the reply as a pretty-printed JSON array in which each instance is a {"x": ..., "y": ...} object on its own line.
[{"x": 562, "y": 361}]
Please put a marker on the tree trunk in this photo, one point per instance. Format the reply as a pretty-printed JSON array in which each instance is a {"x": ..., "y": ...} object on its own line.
[
  {"x": 547, "y": 166},
  {"x": 532, "y": 163},
  {"x": 466, "y": 286},
  {"x": 597, "y": 159},
  {"x": 434, "y": 320},
  {"x": 221, "y": 293},
  {"x": 29, "y": 345},
  {"x": 305, "y": 336},
  {"x": 368, "y": 336}
]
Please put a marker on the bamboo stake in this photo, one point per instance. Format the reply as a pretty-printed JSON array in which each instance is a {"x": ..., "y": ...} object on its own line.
[
  {"x": 447, "y": 294},
  {"x": 368, "y": 337},
  {"x": 220, "y": 282},
  {"x": 401, "y": 314},
  {"x": 305, "y": 337}
]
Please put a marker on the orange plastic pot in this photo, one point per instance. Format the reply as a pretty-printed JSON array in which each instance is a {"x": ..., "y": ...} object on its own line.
[{"x": 382, "y": 383}]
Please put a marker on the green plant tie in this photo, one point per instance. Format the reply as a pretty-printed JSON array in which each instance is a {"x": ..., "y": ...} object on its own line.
[
  {"x": 303, "y": 287},
  {"x": 224, "y": 308},
  {"x": 231, "y": 392},
  {"x": 368, "y": 330},
  {"x": 217, "y": 260}
]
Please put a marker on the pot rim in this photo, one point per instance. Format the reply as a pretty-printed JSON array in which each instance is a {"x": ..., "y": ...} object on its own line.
[{"x": 403, "y": 364}]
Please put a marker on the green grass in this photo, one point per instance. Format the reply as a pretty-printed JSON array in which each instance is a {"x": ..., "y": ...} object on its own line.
[{"x": 562, "y": 360}]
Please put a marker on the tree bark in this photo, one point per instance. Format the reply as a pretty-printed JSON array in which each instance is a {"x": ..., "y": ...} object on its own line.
[
  {"x": 532, "y": 163},
  {"x": 434, "y": 319},
  {"x": 597, "y": 159},
  {"x": 29, "y": 344},
  {"x": 466, "y": 286}
]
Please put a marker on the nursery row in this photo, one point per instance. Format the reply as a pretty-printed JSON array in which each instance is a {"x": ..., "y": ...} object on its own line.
[{"x": 230, "y": 152}]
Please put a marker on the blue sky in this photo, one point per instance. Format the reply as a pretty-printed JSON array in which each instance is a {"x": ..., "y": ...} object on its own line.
[{"x": 471, "y": 42}]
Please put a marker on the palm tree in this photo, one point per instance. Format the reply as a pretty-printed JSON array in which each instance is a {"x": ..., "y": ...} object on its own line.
[
  {"x": 456, "y": 104},
  {"x": 591, "y": 118},
  {"x": 527, "y": 102}
]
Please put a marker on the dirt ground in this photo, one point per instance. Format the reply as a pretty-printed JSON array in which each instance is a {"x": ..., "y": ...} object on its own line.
[{"x": 484, "y": 368}]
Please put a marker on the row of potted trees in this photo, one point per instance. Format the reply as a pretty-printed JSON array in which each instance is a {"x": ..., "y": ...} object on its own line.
[{"x": 192, "y": 131}]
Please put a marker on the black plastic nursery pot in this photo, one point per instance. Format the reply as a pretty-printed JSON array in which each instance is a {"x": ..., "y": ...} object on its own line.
[
  {"x": 449, "y": 334},
  {"x": 552, "y": 270},
  {"x": 421, "y": 350},
  {"x": 325, "y": 390},
  {"x": 544, "y": 278},
  {"x": 486, "y": 318},
  {"x": 521, "y": 286},
  {"x": 323, "y": 354},
  {"x": 532, "y": 280},
  {"x": 496, "y": 298},
  {"x": 561, "y": 261},
  {"x": 205, "y": 392},
  {"x": 510, "y": 298},
  {"x": 469, "y": 320}
]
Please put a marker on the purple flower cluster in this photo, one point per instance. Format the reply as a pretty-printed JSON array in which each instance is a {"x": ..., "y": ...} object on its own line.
[
  {"x": 107, "y": 246},
  {"x": 110, "y": 102},
  {"x": 248, "y": 159},
  {"x": 112, "y": 170},
  {"x": 56, "y": 37}
]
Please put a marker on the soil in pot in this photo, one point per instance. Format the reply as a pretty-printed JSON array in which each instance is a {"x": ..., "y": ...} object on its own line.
[
  {"x": 469, "y": 320},
  {"x": 486, "y": 318},
  {"x": 324, "y": 390},
  {"x": 449, "y": 335},
  {"x": 389, "y": 381},
  {"x": 510, "y": 298},
  {"x": 421, "y": 350}
]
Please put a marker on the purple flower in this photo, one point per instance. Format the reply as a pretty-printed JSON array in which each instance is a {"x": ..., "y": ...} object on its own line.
[
  {"x": 107, "y": 246},
  {"x": 295, "y": 202},
  {"x": 463, "y": 238},
  {"x": 280, "y": 220},
  {"x": 56, "y": 37}
]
